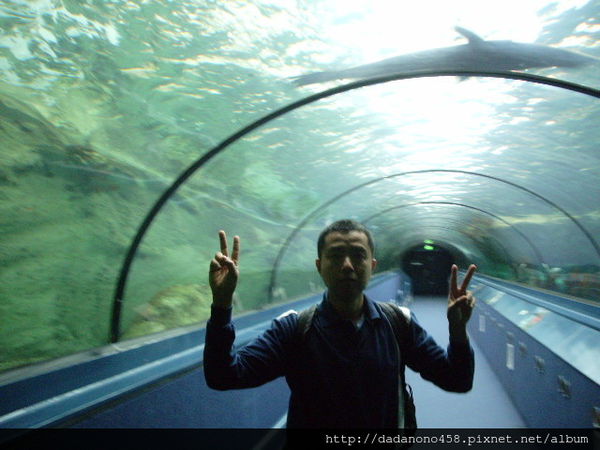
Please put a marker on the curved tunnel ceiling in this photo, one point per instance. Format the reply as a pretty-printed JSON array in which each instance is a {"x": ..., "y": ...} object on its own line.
[
  {"x": 448, "y": 235},
  {"x": 453, "y": 231},
  {"x": 574, "y": 217},
  {"x": 319, "y": 210},
  {"x": 528, "y": 241}
]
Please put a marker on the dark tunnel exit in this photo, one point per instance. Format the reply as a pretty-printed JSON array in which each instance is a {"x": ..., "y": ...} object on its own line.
[{"x": 428, "y": 265}]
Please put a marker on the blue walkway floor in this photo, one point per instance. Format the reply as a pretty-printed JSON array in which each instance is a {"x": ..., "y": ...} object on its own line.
[{"x": 486, "y": 406}]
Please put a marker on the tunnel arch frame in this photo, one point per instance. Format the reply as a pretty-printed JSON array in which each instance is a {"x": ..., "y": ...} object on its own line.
[
  {"x": 494, "y": 216},
  {"x": 334, "y": 199},
  {"x": 445, "y": 245},
  {"x": 121, "y": 283}
]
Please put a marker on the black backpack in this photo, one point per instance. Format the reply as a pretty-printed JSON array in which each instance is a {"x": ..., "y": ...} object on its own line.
[{"x": 400, "y": 321}]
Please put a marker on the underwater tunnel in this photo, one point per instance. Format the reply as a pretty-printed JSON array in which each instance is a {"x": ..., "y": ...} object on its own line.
[{"x": 123, "y": 157}]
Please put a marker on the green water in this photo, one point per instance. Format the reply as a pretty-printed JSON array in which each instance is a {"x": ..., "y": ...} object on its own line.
[{"x": 104, "y": 103}]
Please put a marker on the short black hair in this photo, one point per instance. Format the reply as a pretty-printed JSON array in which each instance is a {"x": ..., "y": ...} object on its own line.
[{"x": 344, "y": 226}]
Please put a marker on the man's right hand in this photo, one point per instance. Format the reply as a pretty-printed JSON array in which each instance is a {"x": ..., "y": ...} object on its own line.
[{"x": 224, "y": 272}]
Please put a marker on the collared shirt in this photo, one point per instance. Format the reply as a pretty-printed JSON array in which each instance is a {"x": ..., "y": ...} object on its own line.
[{"x": 339, "y": 376}]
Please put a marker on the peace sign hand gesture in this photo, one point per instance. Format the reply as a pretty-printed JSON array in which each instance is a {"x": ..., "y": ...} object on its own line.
[
  {"x": 460, "y": 303},
  {"x": 224, "y": 272}
]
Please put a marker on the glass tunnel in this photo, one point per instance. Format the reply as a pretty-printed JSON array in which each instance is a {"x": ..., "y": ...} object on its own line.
[{"x": 133, "y": 131}]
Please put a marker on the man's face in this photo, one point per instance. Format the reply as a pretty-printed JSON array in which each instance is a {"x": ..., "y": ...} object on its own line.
[{"x": 346, "y": 262}]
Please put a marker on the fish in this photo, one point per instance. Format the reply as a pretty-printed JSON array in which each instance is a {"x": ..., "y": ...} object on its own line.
[{"x": 477, "y": 54}]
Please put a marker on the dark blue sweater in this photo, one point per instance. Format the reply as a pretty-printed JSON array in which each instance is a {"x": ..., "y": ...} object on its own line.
[{"x": 339, "y": 377}]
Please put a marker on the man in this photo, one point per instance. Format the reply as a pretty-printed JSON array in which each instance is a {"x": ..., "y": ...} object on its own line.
[{"x": 344, "y": 372}]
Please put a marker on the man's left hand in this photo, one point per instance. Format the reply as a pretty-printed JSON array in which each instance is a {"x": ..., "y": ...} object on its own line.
[{"x": 460, "y": 301}]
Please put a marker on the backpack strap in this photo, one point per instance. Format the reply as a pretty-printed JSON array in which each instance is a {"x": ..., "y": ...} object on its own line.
[
  {"x": 305, "y": 319},
  {"x": 399, "y": 318}
]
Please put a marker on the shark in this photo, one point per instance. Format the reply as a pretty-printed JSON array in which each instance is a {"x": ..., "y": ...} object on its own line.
[{"x": 477, "y": 54}]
